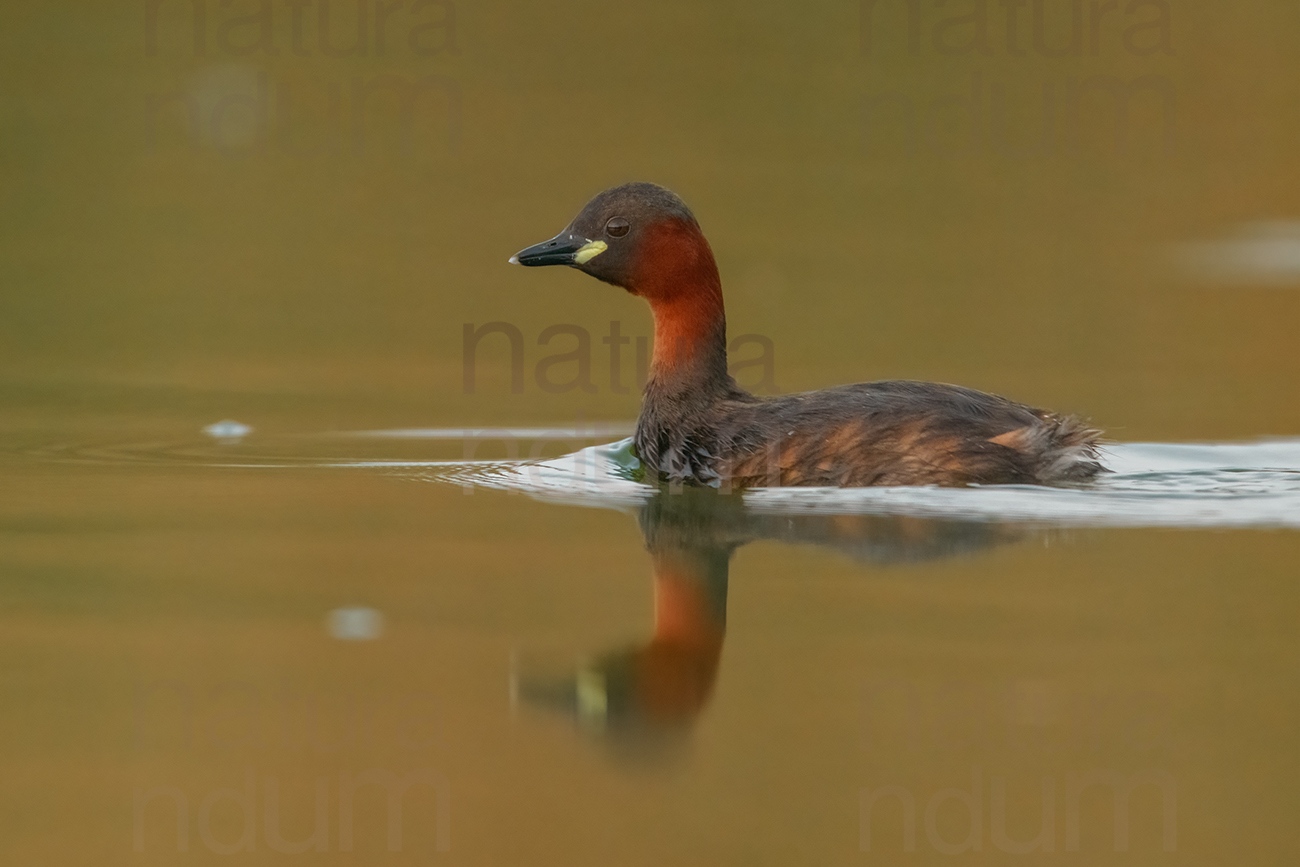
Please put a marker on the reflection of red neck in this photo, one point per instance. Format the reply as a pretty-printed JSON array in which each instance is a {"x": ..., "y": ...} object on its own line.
[
  {"x": 677, "y": 275},
  {"x": 677, "y": 668},
  {"x": 686, "y": 613}
]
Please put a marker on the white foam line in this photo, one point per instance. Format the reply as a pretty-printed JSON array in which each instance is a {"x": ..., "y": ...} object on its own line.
[
  {"x": 1088, "y": 508},
  {"x": 345, "y": 465},
  {"x": 419, "y": 464},
  {"x": 619, "y": 429}
]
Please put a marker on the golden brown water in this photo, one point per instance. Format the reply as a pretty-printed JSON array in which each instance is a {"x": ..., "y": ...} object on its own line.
[{"x": 173, "y": 686}]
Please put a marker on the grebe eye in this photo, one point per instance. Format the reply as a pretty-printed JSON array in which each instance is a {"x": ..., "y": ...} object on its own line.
[{"x": 617, "y": 227}]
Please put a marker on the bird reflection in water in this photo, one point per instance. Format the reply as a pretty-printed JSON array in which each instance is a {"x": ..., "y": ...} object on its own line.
[{"x": 643, "y": 700}]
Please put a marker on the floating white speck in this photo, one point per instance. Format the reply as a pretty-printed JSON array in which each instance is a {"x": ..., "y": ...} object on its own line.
[
  {"x": 355, "y": 624},
  {"x": 230, "y": 94},
  {"x": 1258, "y": 254},
  {"x": 228, "y": 429}
]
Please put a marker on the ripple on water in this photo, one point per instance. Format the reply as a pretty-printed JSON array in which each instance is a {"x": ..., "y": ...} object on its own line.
[{"x": 1153, "y": 484}]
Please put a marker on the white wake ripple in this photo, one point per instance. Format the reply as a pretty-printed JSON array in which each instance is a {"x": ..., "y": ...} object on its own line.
[{"x": 1153, "y": 485}]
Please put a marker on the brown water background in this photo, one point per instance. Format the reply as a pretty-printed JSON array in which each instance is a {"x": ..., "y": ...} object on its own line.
[{"x": 162, "y": 621}]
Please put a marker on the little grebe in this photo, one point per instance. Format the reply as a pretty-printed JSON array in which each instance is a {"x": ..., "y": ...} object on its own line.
[{"x": 697, "y": 426}]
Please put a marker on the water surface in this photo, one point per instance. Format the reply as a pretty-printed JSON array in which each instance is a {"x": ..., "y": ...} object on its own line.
[{"x": 328, "y": 613}]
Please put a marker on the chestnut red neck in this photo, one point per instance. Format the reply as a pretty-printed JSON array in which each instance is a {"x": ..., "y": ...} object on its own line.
[{"x": 676, "y": 273}]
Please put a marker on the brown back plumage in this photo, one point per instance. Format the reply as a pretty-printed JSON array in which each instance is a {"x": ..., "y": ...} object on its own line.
[{"x": 879, "y": 433}]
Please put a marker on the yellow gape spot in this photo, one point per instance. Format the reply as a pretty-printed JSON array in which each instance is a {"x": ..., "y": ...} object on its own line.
[{"x": 589, "y": 251}]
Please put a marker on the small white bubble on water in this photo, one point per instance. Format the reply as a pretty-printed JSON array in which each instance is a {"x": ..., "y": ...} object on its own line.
[
  {"x": 355, "y": 624},
  {"x": 228, "y": 429}
]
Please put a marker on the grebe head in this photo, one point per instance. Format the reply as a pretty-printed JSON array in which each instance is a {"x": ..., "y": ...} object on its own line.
[{"x": 639, "y": 236}]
